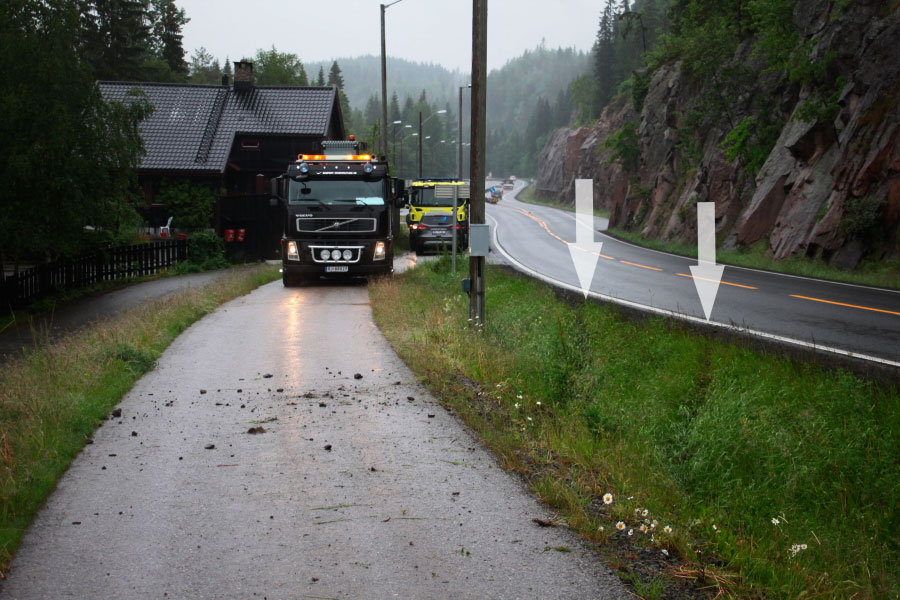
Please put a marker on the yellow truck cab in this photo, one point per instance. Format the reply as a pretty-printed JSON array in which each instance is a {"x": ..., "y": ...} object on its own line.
[{"x": 435, "y": 196}]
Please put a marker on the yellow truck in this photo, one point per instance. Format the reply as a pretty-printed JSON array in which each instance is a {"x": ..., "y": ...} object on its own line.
[{"x": 435, "y": 196}]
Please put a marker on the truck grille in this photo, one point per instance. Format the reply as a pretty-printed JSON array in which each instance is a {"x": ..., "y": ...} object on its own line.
[{"x": 333, "y": 225}]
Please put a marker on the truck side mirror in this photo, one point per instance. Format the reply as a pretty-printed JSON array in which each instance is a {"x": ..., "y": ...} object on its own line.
[
  {"x": 399, "y": 190},
  {"x": 273, "y": 188}
]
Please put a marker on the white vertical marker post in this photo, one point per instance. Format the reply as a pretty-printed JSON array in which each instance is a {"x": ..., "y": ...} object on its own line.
[
  {"x": 585, "y": 250},
  {"x": 706, "y": 274}
]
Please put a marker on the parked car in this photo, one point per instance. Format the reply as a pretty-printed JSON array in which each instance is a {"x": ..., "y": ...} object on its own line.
[{"x": 434, "y": 232}]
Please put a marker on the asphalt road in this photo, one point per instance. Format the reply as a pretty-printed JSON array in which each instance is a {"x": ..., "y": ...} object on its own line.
[
  {"x": 832, "y": 317},
  {"x": 360, "y": 487}
]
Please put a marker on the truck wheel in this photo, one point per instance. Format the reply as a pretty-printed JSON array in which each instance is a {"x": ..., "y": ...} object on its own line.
[{"x": 288, "y": 280}]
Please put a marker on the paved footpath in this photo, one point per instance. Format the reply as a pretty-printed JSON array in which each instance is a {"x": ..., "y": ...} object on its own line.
[{"x": 356, "y": 484}]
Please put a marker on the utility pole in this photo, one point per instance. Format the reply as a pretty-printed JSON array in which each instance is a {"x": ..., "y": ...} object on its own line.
[
  {"x": 384, "y": 144},
  {"x": 419, "y": 154},
  {"x": 383, "y": 86},
  {"x": 476, "y": 156}
]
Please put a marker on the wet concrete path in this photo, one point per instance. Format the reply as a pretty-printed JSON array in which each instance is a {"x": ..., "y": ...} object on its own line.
[{"x": 360, "y": 485}]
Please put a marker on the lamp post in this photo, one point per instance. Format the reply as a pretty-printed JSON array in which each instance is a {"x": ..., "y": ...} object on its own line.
[
  {"x": 459, "y": 169},
  {"x": 402, "y": 139},
  {"x": 394, "y": 136},
  {"x": 459, "y": 134},
  {"x": 384, "y": 7},
  {"x": 434, "y": 114}
]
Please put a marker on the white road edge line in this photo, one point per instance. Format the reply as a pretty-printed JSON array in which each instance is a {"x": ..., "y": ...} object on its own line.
[
  {"x": 730, "y": 266},
  {"x": 681, "y": 316}
]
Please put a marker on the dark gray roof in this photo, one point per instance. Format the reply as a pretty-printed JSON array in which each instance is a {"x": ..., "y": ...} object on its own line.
[{"x": 193, "y": 126}]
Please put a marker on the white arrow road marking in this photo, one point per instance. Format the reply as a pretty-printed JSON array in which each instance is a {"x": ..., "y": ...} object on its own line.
[
  {"x": 585, "y": 250},
  {"x": 707, "y": 274}
]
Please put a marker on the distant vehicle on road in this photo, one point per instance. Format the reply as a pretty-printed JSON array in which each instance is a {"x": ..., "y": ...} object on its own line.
[
  {"x": 508, "y": 185},
  {"x": 496, "y": 195}
]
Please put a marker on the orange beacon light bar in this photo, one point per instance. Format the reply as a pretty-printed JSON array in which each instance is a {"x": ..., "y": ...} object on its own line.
[{"x": 365, "y": 157}]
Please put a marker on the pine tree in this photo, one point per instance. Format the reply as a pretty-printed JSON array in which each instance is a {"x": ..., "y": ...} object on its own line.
[
  {"x": 204, "y": 68},
  {"x": 116, "y": 37},
  {"x": 167, "y": 23},
  {"x": 320, "y": 80},
  {"x": 394, "y": 109},
  {"x": 605, "y": 54},
  {"x": 334, "y": 76}
]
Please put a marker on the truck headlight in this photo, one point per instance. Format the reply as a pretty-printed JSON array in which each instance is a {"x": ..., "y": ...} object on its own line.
[
  {"x": 379, "y": 251},
  {"x": 292, "y": 252}
]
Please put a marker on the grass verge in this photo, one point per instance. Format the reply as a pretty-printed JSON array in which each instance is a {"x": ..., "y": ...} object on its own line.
[
  {"x": 883, "y": 273},
  {"x": 777, "y": 479},
  {"x": 529, "y": 196},
  {"x": 52, "y": 399}
]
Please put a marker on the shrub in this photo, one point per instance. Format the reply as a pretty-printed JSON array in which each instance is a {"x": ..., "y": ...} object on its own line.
[
  {"x": 190, "y": 204},
  {"x": 206, "y": 252}
]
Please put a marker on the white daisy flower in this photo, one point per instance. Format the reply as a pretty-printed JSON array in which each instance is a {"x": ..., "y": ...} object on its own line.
[{"x": 607, "y": 498}]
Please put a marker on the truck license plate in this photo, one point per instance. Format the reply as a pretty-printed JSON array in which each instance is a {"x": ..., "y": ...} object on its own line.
[{"x": 337, "y": 269}]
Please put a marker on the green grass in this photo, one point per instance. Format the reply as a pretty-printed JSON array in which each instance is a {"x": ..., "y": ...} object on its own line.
[
  {"x": 529, "y": 195},
  {"x": 53, "y": 398},
  {"x": 713, "y": 439},
  {"x": 884, "y": 273}
]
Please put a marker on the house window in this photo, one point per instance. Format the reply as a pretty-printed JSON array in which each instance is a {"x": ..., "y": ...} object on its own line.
[{"x": 249, "y": 144}]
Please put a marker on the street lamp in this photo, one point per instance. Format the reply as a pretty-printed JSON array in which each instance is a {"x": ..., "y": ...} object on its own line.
[
  {"x": 384, "y": 7},
  {"x": 394, "y": 136},
  {"x": 459, "y": 134},
  {"x": 403, "y": 139},
  {"x": 434, "y": 114}
]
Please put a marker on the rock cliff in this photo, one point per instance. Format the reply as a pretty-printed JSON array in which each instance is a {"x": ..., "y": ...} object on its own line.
[{"x": 826, "y": 189}]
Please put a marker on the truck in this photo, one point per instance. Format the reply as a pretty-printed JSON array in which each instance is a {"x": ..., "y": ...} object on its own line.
[
  {"x": 434, "y": 196},
  {"x": 341, "y": 214}
]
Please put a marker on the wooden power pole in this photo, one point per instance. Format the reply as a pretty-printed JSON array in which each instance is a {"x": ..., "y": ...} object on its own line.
[{"x": 477, "y": 149}]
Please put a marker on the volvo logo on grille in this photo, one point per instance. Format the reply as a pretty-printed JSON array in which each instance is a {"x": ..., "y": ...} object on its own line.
[{"x": 335, "y": 224}]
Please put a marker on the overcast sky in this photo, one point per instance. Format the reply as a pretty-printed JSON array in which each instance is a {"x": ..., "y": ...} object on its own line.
[{"x": 437, "y": 31}]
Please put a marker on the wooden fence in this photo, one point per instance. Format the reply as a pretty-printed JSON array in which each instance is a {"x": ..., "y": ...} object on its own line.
[{"x": 108, "y": 264}]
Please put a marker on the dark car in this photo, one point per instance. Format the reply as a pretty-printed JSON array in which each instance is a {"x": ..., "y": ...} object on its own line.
[{"x": 434, "y": 232}]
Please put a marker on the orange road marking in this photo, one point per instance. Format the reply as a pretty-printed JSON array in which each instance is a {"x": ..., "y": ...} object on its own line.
[
  {"x": 641, "y": 266},
  {"x": 546, "y": 228},
  {"x": 748, "y": 287},
  {"x": 881, "y": 310}
]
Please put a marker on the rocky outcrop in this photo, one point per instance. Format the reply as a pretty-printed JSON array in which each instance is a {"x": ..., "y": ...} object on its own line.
[
  {"x": 827, "y": 189},
  {"x": 572, "y": 154}
]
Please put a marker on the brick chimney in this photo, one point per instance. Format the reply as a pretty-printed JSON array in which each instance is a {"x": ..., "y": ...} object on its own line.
[{"x": 243, "y": 76}]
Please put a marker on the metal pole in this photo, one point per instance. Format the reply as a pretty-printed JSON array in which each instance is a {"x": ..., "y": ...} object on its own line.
[
  {"x": 458, "y": 171},
  {"x": 459, "y": 140},
  {"x": 383, "y": 88},
  {"x": 476, "y": 155},
  {"x": 455, "y": 222},
  {"x": 419, "y": 169}
]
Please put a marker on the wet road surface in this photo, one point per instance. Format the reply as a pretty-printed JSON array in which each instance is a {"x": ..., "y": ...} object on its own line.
[
  {"x": 359, "y": 486},
  {"x": 82, "y": 313}
]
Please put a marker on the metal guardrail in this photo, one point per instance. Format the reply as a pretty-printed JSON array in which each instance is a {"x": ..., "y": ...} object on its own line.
[{"x": 122, "y": 262}]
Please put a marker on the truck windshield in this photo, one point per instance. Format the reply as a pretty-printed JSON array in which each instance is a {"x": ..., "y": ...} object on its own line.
[
  {"x": 336, "y": 191},
  {"x": 425, "y": 197}
]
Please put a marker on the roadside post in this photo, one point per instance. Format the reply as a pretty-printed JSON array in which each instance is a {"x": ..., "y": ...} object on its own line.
[{"x": 477, "y": 227}]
